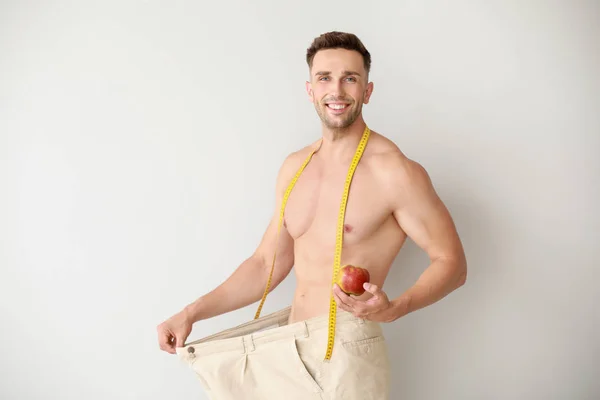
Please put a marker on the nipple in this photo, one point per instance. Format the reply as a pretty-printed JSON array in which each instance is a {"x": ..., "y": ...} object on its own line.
[{"x": 348, "y": 228}]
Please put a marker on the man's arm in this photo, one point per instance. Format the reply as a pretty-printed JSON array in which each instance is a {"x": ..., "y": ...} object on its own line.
[
  {"x": 426, "y": 220},
  {"x": 247, "y": 283}
]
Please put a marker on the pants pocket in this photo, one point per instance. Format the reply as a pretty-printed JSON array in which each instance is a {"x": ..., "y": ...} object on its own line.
[
  {"x": 374, "y": 347},
  {"x": 300, "y": 362},
  {"x": 366, "y": 358},
  {"x": 363, "y": 342}
]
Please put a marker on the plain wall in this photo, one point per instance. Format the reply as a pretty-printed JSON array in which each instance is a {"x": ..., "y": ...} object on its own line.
[{"x": 139, "y": 145}]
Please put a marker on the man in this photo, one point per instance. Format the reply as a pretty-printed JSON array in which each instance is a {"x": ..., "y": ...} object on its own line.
[{"x": 390, "y": 198}]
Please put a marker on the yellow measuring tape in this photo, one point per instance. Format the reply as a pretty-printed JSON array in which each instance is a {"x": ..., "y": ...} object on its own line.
[{"x": 339, "y": 235}]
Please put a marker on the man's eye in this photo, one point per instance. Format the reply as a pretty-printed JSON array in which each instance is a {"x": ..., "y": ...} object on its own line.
[
  {"x": 351, "y": 79},
  {"x": 323, "y": 78}
]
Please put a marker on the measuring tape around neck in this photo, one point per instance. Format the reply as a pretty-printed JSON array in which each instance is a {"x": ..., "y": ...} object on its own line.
[{"x": 338, "y": 239}]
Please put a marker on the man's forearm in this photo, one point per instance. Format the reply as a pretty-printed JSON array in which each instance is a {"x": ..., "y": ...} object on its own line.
[
  {"x": 443, "y": 276},
  {"x": 245, "y": 286}
]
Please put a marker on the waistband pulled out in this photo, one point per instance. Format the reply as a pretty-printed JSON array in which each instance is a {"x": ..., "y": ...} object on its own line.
[{"x": 272, "y": 327}]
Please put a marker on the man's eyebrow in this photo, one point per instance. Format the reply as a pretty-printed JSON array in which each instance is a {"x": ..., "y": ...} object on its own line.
[{"x": 345, "y": 73}]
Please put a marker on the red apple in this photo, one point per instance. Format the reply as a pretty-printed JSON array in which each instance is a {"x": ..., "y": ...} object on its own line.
[{"x": 351, "y": 279}]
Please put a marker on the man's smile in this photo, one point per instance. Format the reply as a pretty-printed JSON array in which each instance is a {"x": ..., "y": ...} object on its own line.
[{"x": 337, "y": 107}]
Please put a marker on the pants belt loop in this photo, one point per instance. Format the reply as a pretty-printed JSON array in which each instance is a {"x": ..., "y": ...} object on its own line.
[
  {"x": 306, "y": 330},
  {"x": 247, "y": 344},
  {"x": 251, "y": 342}
]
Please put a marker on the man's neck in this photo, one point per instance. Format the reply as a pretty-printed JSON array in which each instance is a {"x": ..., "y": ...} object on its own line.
[{"x": 341, "y": 144}]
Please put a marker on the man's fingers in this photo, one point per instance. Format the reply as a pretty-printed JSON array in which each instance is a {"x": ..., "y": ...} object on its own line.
[
  {"x": 347, "y": 303},
  {"x": 348, "y": 300},
  {"x": 171, "y": 347},
  {"x": 341, "y": 298},
  {"x": 344, "y": 307},
  {"x": 351, "y": 304},
  {"x": 337, "y": 295},
  {"x": 168, "y": 347},
  {"x": 371, "y": 288},
  {"x": 165, "y": 342}
]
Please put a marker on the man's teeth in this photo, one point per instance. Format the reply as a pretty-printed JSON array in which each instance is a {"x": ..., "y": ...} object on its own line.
[{"x": 337, "y": 106}]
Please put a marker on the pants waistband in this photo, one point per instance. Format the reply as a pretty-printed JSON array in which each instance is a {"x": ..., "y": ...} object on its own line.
[{"x": 246, "y": 337}]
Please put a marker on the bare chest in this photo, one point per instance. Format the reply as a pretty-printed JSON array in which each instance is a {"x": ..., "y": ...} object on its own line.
[{"x": 313, "y": 207}]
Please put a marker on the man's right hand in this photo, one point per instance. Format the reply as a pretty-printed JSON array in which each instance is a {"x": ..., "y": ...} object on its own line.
[{"x": 173, "y": 332}]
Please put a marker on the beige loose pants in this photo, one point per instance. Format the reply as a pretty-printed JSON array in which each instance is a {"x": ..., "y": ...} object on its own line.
[{"x": 269, "y": 359}]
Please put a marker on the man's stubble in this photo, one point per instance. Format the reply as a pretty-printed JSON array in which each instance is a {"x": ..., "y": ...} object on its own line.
[{"x": 338, "y": 125}]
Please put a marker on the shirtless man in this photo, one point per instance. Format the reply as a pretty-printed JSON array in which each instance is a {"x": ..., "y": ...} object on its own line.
[{"x": 391, "y": 198}]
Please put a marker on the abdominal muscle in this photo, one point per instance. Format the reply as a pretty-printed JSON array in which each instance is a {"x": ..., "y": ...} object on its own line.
[
  {"x": 313, "y": 291},
  {"x": 314, "y": 272}
]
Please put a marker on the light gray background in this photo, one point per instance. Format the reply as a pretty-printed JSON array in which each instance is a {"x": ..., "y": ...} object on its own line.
[{"x": 140, "y": 143}]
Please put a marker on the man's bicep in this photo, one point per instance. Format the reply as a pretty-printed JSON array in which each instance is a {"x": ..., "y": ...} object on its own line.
[
  {"x": 276, "y": 237},
  {"x": 425, "y": 218},
  {"x": 272, "y": 242}
]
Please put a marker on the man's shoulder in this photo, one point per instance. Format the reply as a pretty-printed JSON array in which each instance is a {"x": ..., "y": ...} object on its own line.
[
  {"x": 393, "y": 167},
  {"x": 298, "y": 156},
  {"x": 293, "y": 160}
]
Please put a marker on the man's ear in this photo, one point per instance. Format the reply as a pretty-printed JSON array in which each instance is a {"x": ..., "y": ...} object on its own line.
[
  {"x": 368, "y": 92},
  {"x": 309, "y": 91}
]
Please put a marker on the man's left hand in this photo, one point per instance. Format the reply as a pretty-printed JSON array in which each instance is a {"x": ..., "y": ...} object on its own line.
[{"x": 378, "y": 308}]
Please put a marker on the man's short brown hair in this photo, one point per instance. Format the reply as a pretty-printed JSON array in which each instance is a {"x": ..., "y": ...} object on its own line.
[{"x": 338, "y": 40}]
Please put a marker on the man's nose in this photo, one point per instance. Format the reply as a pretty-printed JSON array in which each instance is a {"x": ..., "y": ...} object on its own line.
[{"x": 337, "y": 88}]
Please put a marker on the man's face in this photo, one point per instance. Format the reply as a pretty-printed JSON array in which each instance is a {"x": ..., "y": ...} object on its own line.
[{"x": 338, "y": 86}]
